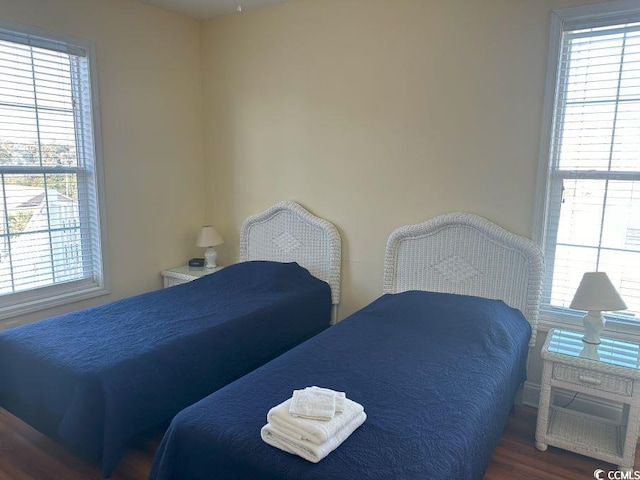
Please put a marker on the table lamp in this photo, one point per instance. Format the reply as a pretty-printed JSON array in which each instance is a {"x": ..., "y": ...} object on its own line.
[
  {"x": 209, "y": 238},
  {"x": 596, "y": 294}
]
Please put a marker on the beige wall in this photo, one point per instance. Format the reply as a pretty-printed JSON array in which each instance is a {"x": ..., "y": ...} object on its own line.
[
  {"x": 150, "y": 94},
  {"x": 375, "y": 114}
]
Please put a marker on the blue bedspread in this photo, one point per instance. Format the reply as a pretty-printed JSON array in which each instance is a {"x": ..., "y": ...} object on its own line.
[
  {"x": 436, "y": 373},
  {"x": 94, "y": 378}
]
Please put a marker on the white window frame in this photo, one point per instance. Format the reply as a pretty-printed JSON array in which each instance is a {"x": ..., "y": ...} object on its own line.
[
  {"x": 20, "y": 303},
  {"x": 584, "y": 16}
]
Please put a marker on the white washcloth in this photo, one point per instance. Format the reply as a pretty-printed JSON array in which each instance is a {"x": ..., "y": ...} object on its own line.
[
  {"x": 338, "y": 396},
  {"x": 315, "y": 431},
  {"x": 305, "y": 449},
  {"x": 314, "y": 404}
]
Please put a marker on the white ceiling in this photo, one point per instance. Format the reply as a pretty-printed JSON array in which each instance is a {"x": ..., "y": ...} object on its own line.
[{"x": 204, "y": 9}]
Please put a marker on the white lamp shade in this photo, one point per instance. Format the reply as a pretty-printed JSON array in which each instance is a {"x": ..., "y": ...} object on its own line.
[
  {"x": 597, "y": 293},
  {"x": 209, "y": 237}
]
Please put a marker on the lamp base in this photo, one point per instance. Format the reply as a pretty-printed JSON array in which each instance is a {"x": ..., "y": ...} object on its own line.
[
  {"x": 211, "y": 256},
  {"x": 593, "y": 325},
  {"x": 590, "y": 351}
]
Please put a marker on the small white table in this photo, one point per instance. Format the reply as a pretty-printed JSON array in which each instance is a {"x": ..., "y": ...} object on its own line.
[
  {"x": 607, "y": 371},
  {"x": 184, "y": 274}
]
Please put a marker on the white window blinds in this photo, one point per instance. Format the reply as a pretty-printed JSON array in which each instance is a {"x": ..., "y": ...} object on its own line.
[
  {"x": 50, "y": 242},
  {"x": 593, "y": 191}
]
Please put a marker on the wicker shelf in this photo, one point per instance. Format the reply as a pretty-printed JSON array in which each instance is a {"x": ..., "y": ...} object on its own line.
[{"x": 589, "y": 433}]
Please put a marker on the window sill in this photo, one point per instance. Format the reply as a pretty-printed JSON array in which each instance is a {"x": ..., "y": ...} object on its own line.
[{"x": 57, "y": 300}]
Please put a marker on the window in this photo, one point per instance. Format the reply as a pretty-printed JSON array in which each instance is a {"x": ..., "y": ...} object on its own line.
[
  {"x": 50, "y": 242},
  {"x": 591, "y": 158}
]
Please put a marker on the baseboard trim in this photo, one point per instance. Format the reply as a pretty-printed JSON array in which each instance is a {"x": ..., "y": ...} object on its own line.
[{"x": 531, "y": 394}]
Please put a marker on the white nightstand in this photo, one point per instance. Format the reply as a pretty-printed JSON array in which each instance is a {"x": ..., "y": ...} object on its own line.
[
  {"x": 184, "y": 274},
  {"x": 608, "y": 371}
]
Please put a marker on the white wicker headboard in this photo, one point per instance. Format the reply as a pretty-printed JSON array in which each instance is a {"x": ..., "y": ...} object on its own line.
[
  {"x": 466, "y": 254},
  {"x": 287, "y": 232}
]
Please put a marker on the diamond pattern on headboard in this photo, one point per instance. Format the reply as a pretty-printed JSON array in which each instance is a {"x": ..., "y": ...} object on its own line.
[
  {"x": 287, "y": 242},
  {"x": 456, "y": 269}
]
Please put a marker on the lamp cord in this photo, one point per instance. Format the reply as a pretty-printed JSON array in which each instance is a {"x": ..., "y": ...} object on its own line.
[{"x": 570, "y": 401}]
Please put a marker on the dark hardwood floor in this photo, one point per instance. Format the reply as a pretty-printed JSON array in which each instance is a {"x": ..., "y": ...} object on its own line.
[{"x": 26, "y": 454}]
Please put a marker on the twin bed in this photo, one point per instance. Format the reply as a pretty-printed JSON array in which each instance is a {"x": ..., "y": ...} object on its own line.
[
  {"x": 435, "y": 361},
  {"x": 93, "y": 379}
]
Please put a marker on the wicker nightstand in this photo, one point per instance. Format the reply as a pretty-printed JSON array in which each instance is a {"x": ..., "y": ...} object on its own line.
[
  {"x": 608, "y": 371},
  {"x": 184, "y": 274}
]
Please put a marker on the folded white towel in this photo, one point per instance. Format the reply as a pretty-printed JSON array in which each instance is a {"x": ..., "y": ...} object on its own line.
[
  {"x": 308, "y": 450},
  {"x": 315, "y": 431},
  {"x": 313, "y": 404}
]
